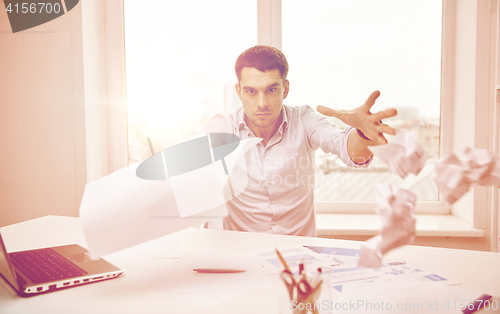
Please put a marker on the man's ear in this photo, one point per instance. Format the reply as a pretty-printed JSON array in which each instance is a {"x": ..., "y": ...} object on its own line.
[
  {"x": 238, "y": 91},
  {"x": 286, "y": 87}
]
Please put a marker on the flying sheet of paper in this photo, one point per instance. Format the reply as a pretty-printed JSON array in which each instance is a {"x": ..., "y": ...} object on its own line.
[
  {"x": 208, "y": 187},
  {"x": 455, "y": 176},
  {"x": 403, "y": 155},
  {"x": 122, "y": 210},
  {"x": 395, "y": 209},
  {"x": 201, "y": 176},
  {"x": 187, "y": 280}
]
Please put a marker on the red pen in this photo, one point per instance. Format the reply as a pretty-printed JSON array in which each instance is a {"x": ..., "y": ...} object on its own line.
[{"x": 218, "y": 270}]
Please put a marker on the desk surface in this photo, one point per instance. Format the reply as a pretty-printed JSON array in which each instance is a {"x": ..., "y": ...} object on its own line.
[{"x": 475, "y": 270}]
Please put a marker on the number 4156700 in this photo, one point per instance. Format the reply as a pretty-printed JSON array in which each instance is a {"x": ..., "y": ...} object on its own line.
[{"x": 35, "y": 8}]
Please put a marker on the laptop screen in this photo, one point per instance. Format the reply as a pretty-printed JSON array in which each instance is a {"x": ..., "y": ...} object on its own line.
[{"x": 6, "y": 268}]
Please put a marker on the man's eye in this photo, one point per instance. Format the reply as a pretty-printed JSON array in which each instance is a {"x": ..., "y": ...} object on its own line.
[
  {"x": 271, "y": 90},
  {"x": 251, "y": 92}
]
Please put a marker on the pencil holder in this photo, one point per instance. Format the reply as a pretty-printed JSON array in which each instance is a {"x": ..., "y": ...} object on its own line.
[
  {"x": 306, "y": 287},
  {"x": 307, "y": 292},
  {"x": 302, "y": 292}
]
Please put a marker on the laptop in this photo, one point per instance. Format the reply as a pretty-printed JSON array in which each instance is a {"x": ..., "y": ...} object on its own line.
[{"x": 45, "y": 270}]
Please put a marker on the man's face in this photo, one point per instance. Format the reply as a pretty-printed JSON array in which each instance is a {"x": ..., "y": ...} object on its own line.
[{"x": 262, "y": 94}]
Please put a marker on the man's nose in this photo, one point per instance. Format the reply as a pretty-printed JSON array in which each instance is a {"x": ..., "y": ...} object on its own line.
[{"x": 262, "y": 101}]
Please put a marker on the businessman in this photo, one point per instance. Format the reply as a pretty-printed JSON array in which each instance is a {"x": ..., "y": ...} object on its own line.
[{"x": 279, "y": 197}]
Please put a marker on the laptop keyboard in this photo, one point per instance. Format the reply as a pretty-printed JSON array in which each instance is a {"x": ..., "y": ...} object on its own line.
[{"x": 44, "y": 265}]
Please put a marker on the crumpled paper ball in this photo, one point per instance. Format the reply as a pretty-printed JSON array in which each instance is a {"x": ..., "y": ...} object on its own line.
[
  {"x": 395, "y": 209},
  {"x": 455, "y": 176},
  {"x": 403, "y": 155}
]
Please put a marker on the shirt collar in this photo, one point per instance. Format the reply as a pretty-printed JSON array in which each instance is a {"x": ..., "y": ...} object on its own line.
[
  {"x": 284, "y": 124},
  {"x": 241, "y": 119}
]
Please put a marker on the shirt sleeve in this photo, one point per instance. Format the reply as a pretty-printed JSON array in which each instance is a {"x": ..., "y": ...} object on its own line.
[{"x": 321, "y": 133}]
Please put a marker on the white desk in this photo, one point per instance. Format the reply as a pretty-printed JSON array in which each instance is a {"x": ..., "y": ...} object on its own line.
[{"x": 125, "y": 295}]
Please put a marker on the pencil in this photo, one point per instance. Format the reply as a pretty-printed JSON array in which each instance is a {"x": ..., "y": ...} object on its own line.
[{"x": 283, "y": 261}]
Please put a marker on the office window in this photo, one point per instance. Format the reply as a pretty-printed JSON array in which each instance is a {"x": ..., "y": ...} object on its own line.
[
  {"x": 180, "y": 66},
  {"x": 341, "y": 51},
  {"x": 469, "y": 38}
]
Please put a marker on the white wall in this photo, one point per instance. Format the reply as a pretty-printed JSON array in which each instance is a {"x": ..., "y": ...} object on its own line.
[
  {"x": 60, "y": 128},
  {"x": 42, "y": 141}
]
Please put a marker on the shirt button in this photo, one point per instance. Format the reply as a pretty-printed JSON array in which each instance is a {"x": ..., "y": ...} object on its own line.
[
  {"x": 270, "y": 182},
  {"x": 274, "y": 223},
  {"x": 272, "y": 201},
  {"x": 267, "y": 158}
]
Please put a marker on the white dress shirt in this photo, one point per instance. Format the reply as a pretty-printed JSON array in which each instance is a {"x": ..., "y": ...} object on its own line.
[{"x": 279, "y": 197}]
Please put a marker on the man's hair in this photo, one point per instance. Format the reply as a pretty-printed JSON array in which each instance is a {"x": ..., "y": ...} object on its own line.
[{"x": 262, "y": 58}]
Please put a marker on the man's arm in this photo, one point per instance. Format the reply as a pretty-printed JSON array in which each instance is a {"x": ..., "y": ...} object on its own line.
[
  {"x": 370, "y": 125},
  {"x": 357, "y": 147}
]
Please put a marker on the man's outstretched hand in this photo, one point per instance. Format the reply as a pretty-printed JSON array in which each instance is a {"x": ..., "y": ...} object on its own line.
[{"x": 362, "y": 119}]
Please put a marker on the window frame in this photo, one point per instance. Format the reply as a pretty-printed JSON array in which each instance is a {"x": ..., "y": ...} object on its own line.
[
  {"x": 269, "y": 21},
  {"x": 480, "y": 206},
  {"x": 103, "y": 49}
]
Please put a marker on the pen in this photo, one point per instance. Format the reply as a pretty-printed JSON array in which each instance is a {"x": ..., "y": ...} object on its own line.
[
  {"x": 283, "y": 261},
  {"x": 218, "y": 270}
]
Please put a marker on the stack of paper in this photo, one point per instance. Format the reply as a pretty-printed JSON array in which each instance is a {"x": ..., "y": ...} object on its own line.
[
  {"x": 294, "y": 256},
  {"x": 397, "y": 297},
  {"x": 455, "y": 177},
  {"x": 403, "y": 155},
  {"x": 395, "y": 209}
]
